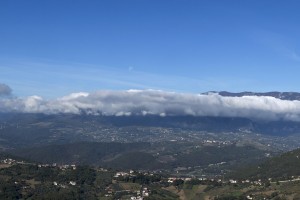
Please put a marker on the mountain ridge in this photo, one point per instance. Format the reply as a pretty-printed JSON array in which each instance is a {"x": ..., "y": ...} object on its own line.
[{"x": 279, "y": 95}]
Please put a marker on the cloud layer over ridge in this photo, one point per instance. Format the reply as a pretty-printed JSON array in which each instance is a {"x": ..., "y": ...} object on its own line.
[{"x": 143, "y": 102}]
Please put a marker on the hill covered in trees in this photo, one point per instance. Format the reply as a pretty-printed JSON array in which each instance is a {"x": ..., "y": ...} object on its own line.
[{"x": 283, "y": 167}]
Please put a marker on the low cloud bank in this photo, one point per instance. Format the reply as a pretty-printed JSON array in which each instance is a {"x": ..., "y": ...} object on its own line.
[{"x": 144, "y": 102}]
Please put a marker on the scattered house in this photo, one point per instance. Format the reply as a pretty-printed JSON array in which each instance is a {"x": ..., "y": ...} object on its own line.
[
  {"x": 267, "y": 154},
  {"x": 232, "y": 181},
  {"x": 109, "y": 191},
  {"x": 146, "y": 194},
  {"x": 257, "y": 182},
  {"x": 246, "y": 181},
  {"x": 55, "y": 183},
  {"x": 8, "y": 161},
  {"x": 118, "y": 174},
  {"x": 102, "y": 170},
  {"x": 171, "y": 179},
  {"x": 72, "y": 183},
  {"x": 136, "y": 198}
]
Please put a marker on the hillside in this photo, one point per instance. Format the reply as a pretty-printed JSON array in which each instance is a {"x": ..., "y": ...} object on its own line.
[
  {"x": 282, "y": 167},
  {"x": 34, "y": 182},
  {"x": 279, "y": 95},
  {"x": 28, "y": 130},
  {"x": 88, "y": 153},
  {"x": 21, "y": 180},
  {"x": 145, "y": 156}
]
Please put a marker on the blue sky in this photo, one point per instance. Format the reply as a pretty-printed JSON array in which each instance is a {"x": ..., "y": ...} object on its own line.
[{"x": 54, "y": 47}]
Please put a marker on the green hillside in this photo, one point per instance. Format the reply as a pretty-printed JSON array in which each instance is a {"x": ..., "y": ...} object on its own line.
[
  {"x": 88, "y": 153},
  {"x": 145, "y": 156},
  {"x": 280, "y": 167}
]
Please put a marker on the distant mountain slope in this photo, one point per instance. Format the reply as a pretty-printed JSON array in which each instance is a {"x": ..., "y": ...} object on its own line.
[
  {"x": 88, "y": 153},
  {"x": 279, "y": 95},
  {"x": 27, "y": 130},
  {"x": 140, "y": 155},
  {"x": 280, "y": 167}
]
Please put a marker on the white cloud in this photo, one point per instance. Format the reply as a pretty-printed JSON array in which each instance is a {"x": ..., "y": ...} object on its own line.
[
  {"x": 145, "y": 102},
  {"x": 5, "y": 90}
]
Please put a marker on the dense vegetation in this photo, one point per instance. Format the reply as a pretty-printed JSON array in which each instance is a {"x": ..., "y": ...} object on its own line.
[
  {"x": 281, "y": 167},
  {"x": 32, "y": 182},
  {"x": 35, "y": 182},
  {"x": 89, "y": 153},
  {"x": 142, "y": 155}
]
